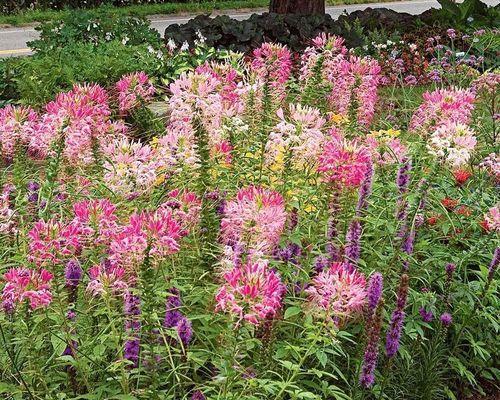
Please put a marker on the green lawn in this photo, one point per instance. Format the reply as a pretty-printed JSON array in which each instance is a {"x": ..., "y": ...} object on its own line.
[{"x": 143, "y": 10}]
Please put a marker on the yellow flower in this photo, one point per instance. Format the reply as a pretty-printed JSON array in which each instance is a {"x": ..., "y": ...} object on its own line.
[{"x": 339, "y": 119}]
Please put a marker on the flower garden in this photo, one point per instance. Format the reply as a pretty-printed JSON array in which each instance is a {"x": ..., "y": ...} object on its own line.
[{"x": 316, "y": 224}]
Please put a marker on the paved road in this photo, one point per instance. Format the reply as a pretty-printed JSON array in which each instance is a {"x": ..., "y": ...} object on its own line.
[{"x": 13, "y": 40}]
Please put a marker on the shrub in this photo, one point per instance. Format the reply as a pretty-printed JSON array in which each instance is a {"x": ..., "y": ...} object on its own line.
[
  {"x": 89, "y": 27},
  {"x": 40, "y": 77}
]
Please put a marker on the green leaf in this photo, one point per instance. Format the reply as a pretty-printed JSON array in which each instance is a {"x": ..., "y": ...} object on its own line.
[{"x": 291, "y": 311}]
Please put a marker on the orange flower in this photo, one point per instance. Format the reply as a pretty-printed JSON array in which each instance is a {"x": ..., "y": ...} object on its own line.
[{"x": 461, "y": 176}]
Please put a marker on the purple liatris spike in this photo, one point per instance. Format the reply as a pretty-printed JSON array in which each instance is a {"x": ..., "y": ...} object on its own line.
[
  {"x": 294, "y": 219},
  {"x": 172, "y": 313},
  {"x": 73, "y": 273},
  {"x": 185, "y": 331},
  {"x": 353, "y": 245},
  {"x": 450, "y": 268},
  {"x": 131, "y": 350},
  {"x": 132, "y": 326},
  {"x": 198, "y": 395},
  {"x": 446, "y": 319},
  {"x": 403, "y": 177},
  {"x": 367, "y": 375},
  {"x": 402, "y": 292},
  {"x": 427, "y": 316},
  {"x": 394, "y": 333},
  {"x": 364, "y": 191},
  {"x": 375, "y": 286},
  {"x": 494, "y": 264},
  {"x": 321, "y": 263}
]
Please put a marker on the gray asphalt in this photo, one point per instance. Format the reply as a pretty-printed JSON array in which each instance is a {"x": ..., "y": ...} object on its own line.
[{"x": 13, "y": 40}]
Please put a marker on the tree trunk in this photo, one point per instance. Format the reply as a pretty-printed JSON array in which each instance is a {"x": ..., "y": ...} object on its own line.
[{"x": 305, "y": 7}]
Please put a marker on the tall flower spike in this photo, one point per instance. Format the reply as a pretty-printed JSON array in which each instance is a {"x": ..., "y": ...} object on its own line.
[
  {"x": 397, "y": 319},
  {"x": 367, "y": 375},
  {"x": 374, "y": 292}
]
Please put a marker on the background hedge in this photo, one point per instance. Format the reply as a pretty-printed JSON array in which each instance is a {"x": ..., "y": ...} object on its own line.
[{"x": 11, "y": 6}]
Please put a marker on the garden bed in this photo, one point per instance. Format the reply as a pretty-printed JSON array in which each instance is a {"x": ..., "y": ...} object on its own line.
[{"x": 184, "y": 222}]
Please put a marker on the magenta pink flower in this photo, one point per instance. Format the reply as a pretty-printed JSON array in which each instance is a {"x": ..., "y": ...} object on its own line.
[
  {"x": 106, "y": 278},
  {"x": 338, "y": 291},
  {"x": 80, "y": 118},
  {"x": 344, "y": 163},
  {"x": 443, "y": 106},
  {"x": 324, "y": 49},
  {"x": 15, "y": 124},
  {"x": 132, "y": 90},
  {"x": 159, "y": 231},
  {"x": 252, "y": 293},
  {"x": 53, "y": 242},
  {"x": 354, "y": 89},
  {"x": 26, "y": 284},
  {"x": 96, "y": 220},
  {"x": 185, "y": 207},
  {"x": 272, "y": 63},
  {"x": 255, "y": 219}
]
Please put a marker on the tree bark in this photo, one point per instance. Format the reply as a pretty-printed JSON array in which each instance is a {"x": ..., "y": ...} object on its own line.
[{"x": 305, "y": 7}]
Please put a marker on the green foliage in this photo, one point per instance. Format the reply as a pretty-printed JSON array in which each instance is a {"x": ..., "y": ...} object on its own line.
[
  {"x": 469, "y": 13},
  {"x": 39, "y": 78},
  {"x": 88, "y": 27}
]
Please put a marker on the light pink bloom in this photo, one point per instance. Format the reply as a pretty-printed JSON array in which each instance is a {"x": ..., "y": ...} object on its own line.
[
  {"x": 441, "y": 107},
  {"x": 338, "y": 291},
  {"x": 453, "y": 143},
  {"x": 255, "y": 219},
  {"x": 492, "y": 165},
  {"x": 386, "y": 151},
  {"x": 7, "y": 212},
  {"x": 252, "y": 293},
  {"x": 492, "y": 218},
  {"x": 298, "y": 134},
  {"x": 15, "y": 124},
  {"x": 344, "y": 163},
  {"x": 133, "y": 89},
  {"x": 354, "y": 85},
  {"x": 26, "y": 284},
  {"x": 131, "y": 168},
  {"x": 52, "y": 242},
  {"x": 106, "y": 278}
]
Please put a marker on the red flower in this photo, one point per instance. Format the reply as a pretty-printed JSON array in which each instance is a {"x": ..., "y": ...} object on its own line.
[
  {"x": 461, "y": 176},
  {"x": 449, "y": 204},
  {"x": 433, "y": 219},
  {"x": 464, "y": 210},
  {"x": 485, "y": 226}
]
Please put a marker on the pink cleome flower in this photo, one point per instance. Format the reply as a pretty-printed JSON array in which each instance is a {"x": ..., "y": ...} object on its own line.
[
  {"x": 272, "y": 63},
  {"x": 159, "y": 231},
  {"x": 106, "y": 278},
  {"x": 26, "y": 284},
  {"x": 51, "y": 242},
  {"x": 492, "y": 219},
  {"x": 7, "y": 211},
  {"x": 132, "y": 90},
  {"x": 255, "y": 219},
  {"x": 252, "y": 293},
  {"x": 339, "y": 291},
  {"x": 96, "y": 220},
  {"x": 185, "y": 207},
  {"x": 344, "y": 163},
  {"x": 443, "y": 106},
  {"x": 15, "y": 123}
]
